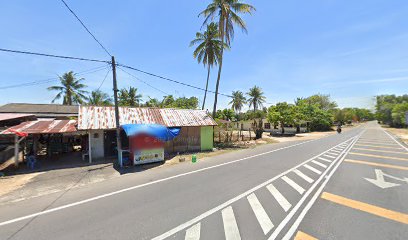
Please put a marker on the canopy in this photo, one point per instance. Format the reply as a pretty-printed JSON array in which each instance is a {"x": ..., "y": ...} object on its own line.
[{"x": 158, "y": 131}]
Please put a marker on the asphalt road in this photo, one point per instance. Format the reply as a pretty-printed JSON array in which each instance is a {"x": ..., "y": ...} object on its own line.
[{"x": 345, "y": 186}]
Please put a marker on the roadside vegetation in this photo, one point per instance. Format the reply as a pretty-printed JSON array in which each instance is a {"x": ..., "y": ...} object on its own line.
[{"x": 391, "y": 110}]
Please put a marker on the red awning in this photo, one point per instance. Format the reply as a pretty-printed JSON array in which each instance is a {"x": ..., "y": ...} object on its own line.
[{"x": 43, "y": 126}]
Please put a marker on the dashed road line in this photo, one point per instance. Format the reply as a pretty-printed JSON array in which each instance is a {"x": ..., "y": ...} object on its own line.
[
  {"x": 260, "y": 213},
  {"x": 378, "y": 156},
  {"x": 230, "y": 224},
  {"x": 365, "y": 207},
  {"x": 303, "y": 236},
  {"x": 283, "y": 202},
  {"x": 377, "y": 146},
  {"x": 377, "y": 164},
  {"x": 312, "y": 169},
  {"x": 294, "y": 185},
  {"x": 376, "y": 150},
  {"x": 319, "y": 164},
  {"x": 304, "y": 176},
  {"x": 193, "y": 233}
]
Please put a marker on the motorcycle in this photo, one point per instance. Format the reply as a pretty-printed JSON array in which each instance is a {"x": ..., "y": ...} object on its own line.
[{"x": 339, "y": 130}]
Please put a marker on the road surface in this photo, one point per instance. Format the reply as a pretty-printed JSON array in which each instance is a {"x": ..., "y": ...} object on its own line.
[{"x": 352, "y": 185}]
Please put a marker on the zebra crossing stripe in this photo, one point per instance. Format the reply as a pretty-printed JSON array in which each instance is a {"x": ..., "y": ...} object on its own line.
[
  {"x": 336, "y": 151},
  {"x": 319, "y": 164},
  {"x": 260, "y": 213},
  {"x": 329, "y": 156},
  {"x": 312, "y": 169},
  {"x": 230, "y": 224},
  {"x": 193, "y": 233},
  {"x": 279, "y": 197},
  {"x": 324, "y": 159},
  {"x": 304, "y": 176},
  {"x": 295, "y": 186}
]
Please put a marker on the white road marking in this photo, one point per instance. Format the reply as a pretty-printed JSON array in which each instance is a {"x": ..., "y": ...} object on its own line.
[
  {"x": 335, "y": 151},
  {"x": 283, "y": 202},
  {"x": 286, "y": 220},
  {"x": 324, "y": 159},
  {"x": 319, "y": 164},
  {"x": 332, "y": 154},
  {"x": 232, "y": 200},
  {"x": 295, "y": 186},
  {"x": 371, "y": 142},
  {"x": 193, "y": 233},
  {"x": 296, "y": 224},
  {"x": 260, "y": 213},
  {"x": 142, "y": 185},
  {"x": 312, "y": 169},
  {"x": 230, "y": 224},
  {"x": 304, "y": 176},
  {"x": 325, "y": 155},
  {"x": 392, "y": 137}
]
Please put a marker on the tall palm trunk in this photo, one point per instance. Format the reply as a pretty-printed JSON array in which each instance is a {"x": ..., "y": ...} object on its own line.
[
  {"x": 206, "y": 86},
  {"x": 219, "y": 68}
]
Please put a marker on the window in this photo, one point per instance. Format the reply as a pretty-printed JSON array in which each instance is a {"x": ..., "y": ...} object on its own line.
[{"x": 267, "y": 125}]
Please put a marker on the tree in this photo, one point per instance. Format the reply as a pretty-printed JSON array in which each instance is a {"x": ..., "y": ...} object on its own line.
[
  {"x": 322, "y": 101},
  {"x": 70, "y": 89},
  {"x": 398, "y": 114},
  {"x": 238, "y": 101},
  {"x": 226, "y": 114},
  {"x": 282, "y": 114},
  {"x": 227, "y": 12},
  {"x": 99, "y": 98},
  {"x": 385, "y": 105},
  {"x": 256, "y": 97},
  {"x": 208, "y": 50},
  {"x": 182, "y": 102},
  {"x": 129, "y": 97},
  {"x": 153, "y": 102}
]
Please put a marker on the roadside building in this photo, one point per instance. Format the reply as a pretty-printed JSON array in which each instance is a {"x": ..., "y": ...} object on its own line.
[
  {"x": 196, "y": 128},
  {"x": 55, "y": 111}
]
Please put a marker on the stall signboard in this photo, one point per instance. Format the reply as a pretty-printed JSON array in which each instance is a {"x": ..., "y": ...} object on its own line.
[{"x": 148, "y": 156}]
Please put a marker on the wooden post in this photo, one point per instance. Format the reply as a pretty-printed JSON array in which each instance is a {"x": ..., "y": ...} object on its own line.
[{"x": 16, "y": 150}]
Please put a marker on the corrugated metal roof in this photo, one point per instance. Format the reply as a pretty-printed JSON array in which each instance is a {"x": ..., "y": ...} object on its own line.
[
  {"x": 91, "y": 117},
  {"x": 41, "y": 110},
  {"x": 44, "y": 126},
  {"x": 8, "y": 116}
]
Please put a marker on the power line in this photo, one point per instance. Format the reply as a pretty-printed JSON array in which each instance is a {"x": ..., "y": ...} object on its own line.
[
  {"x": 171, "y": 80},
  {"x": 48, "y": 80},
  {"x": 52, "y": 55},
  {"x": 144, "y": 81},
  {"x": 83, "y": 25},
  {"x": 104, "y": 79}
]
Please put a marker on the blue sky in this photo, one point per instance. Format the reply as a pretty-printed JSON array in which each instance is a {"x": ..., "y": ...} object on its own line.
[{"x": 352, "y": 50}]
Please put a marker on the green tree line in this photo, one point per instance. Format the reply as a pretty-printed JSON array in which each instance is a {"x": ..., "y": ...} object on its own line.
[{"x": 392, "y": 109}]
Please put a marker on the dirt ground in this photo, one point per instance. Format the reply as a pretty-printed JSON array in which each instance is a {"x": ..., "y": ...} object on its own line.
[{"x": 401, "y": 133}]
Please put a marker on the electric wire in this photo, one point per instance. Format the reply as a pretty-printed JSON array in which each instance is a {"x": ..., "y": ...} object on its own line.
[
  {"x": 83, "y": 25},
  {"x": 104, "y": 79}
]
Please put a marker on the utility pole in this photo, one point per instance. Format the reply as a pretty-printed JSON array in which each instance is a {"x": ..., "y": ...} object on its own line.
[{"x": 115, "y": 97}]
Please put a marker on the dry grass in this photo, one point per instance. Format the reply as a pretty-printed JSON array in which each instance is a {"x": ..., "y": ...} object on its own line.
[{"x": 401, "y": 133}]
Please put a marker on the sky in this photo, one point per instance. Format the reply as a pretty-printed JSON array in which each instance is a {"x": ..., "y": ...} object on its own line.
[{"x": 351, "y": 50}]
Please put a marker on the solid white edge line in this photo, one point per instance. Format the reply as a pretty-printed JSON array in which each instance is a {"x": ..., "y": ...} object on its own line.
[
  {"x": 260, "y": 213},
  {"x": 283, "y": 202},
  {"x": 302, "y": 214},
  {"x": 308, "y": 192},
  {"x": 142, "y": 185},
  {"x": 392, "y": 137},
  {"x": 229, "y": 202},
  {"x": 293, "y": 184},
  {"x": 230, "y": 224},
  {"x": 193, "y": 233}
]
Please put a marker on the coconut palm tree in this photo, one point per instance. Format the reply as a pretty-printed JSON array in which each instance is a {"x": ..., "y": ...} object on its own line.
[
  {"x": 256, "y": 97},
  {"x": 70, "y": 89},
  {"x": 129, "y": 97},
  {"x": 208, "y": 50},
  {"x": 99, "y": 98},
  {"x": 227, "y": 13},
  {"x": 238, "y": 101}
]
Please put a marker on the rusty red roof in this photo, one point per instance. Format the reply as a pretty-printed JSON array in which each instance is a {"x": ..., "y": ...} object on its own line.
[
  {"x": 91, "y": 117},
  {"x": 8, "y": 116},
  {"x": 43, "y": 126}
]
